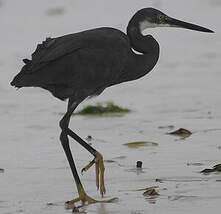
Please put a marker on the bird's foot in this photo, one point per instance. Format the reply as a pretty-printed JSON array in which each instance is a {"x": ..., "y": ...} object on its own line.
[
  {"x": 85, "y": 200},
  {"x": 99, "y": 171}
]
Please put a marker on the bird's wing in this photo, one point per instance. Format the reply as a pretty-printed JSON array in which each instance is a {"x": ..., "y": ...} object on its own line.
[
  {"x": 50, "y": 50},
  {"x": 90, "y": 60},
  {"x": 53, "y": 48}
]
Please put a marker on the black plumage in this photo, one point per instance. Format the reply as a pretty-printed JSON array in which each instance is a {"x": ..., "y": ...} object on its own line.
[{"x": 84, "y": 63}]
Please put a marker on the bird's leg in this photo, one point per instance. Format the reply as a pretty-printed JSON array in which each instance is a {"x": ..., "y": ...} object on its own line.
[
  {"x": 83, "y": 197},
  {"x": 98, "y": 158},
  {"x": 98, "y": 161}
]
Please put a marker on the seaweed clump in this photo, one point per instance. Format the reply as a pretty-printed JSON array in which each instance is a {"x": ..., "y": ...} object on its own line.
[{"x": 102, "y": 109}]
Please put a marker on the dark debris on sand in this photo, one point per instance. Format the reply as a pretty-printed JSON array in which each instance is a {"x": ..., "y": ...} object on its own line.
[
  {"x": 151, "y": 192},
  {"x": 216, "y": 168},
  {"x": 181, "y": 132}
]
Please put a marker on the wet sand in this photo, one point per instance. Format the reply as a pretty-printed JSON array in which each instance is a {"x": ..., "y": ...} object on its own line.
[{"x": 183, "y": 91}]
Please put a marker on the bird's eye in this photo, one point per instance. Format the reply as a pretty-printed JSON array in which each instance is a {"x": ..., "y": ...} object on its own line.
[{"x": 162, "y": 18}]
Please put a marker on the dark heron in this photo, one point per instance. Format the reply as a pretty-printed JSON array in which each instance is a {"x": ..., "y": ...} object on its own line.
[{"x": 81, "y": 65}]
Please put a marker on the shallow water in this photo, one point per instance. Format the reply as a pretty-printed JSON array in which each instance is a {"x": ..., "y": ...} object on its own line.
[{"x": 183, "y": 91}]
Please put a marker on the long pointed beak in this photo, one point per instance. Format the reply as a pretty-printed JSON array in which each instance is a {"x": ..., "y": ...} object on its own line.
[{"x": 178, "y": 23}]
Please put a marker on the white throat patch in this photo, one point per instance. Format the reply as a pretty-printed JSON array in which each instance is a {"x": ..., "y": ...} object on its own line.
[{"x": 145, "y": 24}]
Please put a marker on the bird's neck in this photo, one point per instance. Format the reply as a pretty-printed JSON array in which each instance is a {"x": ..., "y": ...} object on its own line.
[{"x": 146, "y": 45}]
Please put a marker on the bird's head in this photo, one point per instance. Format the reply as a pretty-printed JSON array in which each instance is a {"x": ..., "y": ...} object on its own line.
[{"x": 150, "y": 18}]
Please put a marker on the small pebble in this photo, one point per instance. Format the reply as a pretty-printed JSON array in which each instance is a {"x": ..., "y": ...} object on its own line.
[{"x": 139, "y": 164}]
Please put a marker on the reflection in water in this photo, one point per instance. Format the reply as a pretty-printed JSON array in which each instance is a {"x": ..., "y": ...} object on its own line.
[
  {"x": 152, "y": 199},
  {"x": 101, "y": 209},
  {"x": 138, "y": 171}
]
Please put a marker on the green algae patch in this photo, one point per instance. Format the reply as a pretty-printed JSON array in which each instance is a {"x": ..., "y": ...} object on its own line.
[
  {"x": 102, "y": 109},
  {"x": 138, "y": 144}
]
